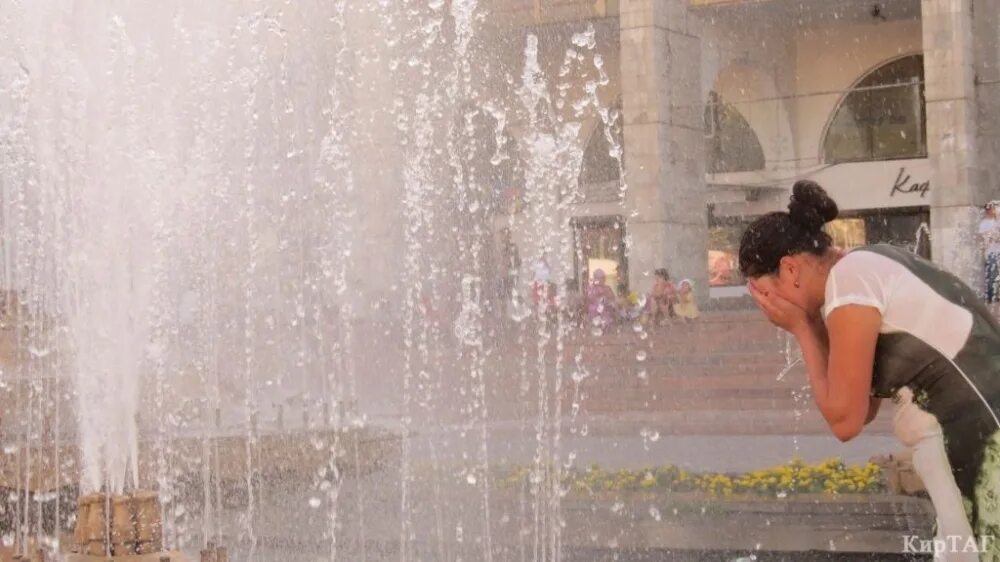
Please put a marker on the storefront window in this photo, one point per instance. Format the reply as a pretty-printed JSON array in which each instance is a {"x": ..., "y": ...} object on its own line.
[
  {"x": 600, "y": 244},
  {"x": 847, "y": 233},
  {"x": 906, "y": 228},
  {"x": 724, "y": 235},
  {"x": 882, "y": 118}
]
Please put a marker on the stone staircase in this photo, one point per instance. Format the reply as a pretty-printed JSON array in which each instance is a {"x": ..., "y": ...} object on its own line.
[{"x": 719, "y": 374}]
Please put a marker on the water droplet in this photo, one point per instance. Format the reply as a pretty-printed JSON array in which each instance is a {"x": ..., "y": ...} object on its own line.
[
  {"x": 641, "y": 355},
  {"x": 39, "y": 352},
  {"x": 471, "y": 478},
  {"x": 643, "y": 374},
  {"x": 655, "y": 513},
  {"x": 782, "y": 494},
  {"x": 570, "y": 458},
  {"x": 618, "y": 507},
  {"x": 314, "y": 502}
]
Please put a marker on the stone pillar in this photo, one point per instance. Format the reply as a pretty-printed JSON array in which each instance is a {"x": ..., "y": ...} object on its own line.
[
  {"x": 987, "y": 52},
  {"x": 958, "y": 189},
  {"x": 664, "y": 142}
]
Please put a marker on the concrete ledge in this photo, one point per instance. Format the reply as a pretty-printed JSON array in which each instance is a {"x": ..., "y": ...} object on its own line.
[
  {"x": 172, "y": 556},
  {"x": 865, "y": 523}
]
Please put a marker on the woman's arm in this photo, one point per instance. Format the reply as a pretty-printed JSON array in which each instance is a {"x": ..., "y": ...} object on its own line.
[
  {"x": 873, "y": 406},
  {"x": 839, "y": 356},
  {"x": 839, "y": 359}
]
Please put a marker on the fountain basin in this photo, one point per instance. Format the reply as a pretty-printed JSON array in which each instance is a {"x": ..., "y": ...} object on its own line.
[
  {"x": 360, "y": 450},
  {"x": 171, "y": 556}
]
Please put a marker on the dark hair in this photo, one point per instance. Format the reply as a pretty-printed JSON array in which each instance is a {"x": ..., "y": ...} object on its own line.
[
  {"x": 662, "y": 274},
  {"x": 779, "y": 234}
]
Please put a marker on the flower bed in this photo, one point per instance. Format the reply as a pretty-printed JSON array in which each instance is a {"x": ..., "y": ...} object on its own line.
[{"x": 832, "y": 476}]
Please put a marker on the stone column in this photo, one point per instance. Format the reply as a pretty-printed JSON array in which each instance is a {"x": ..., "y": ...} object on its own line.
[
  {"x": 664, "y": 142},
  {"x": 958, "y": 189},
  {"x": 985, "y": 22}
]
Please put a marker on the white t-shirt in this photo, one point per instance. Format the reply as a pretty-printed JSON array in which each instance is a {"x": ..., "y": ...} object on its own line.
[
  {"x": 908, "y": 304},
  {"x": 989, "y": 229}
]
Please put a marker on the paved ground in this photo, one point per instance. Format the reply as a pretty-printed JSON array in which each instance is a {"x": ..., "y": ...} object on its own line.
[{"x": 512, "y": 444}]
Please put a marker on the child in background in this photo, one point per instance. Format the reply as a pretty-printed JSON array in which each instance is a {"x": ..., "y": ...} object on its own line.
[
  {"x": 628, "y": 304},
  {"x": 686, "y": 307},
  {"x": 600, "y": 301},
  {"x": 661, "y": 299}
]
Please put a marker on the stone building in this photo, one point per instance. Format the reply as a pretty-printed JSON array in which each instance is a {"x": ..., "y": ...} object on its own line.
[{"x": 724, "y": 104}]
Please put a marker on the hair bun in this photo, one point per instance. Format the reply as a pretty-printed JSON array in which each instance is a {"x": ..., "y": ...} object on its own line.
[{"x": 810, "y": 207}]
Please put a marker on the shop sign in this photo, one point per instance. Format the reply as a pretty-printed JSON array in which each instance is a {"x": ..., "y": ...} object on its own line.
[{"x": 905, "y": 185}]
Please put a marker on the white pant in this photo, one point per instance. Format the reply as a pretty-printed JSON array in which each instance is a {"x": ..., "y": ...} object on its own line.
[{"x": 921, "y": 431}]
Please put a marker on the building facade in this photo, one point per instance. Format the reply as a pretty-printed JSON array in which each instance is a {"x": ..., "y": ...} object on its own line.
[{"x": 712, "y": 109}]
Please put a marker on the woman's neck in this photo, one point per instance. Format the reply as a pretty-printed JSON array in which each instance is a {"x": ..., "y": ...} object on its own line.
[{"x": 827, "y": 261}]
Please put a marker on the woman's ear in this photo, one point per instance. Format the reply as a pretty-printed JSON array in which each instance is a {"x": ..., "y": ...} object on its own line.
[
  {"x": 792, "y": 268},
  {"x": 788, "y": 267}
]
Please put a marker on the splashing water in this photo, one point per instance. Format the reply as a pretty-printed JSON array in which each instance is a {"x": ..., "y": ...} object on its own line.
[{"x": 258, "y": 249}]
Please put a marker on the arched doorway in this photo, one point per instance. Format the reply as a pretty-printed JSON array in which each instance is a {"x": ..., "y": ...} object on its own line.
[
  {"x": 604, "y": 159},
  {"x": 731, "y": 143}
]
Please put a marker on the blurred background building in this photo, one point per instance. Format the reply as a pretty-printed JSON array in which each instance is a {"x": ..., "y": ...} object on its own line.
[{"x": 714, "y": 108}]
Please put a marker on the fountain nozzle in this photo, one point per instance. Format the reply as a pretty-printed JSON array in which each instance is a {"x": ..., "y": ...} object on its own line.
[{"x": 122, "y": 527}]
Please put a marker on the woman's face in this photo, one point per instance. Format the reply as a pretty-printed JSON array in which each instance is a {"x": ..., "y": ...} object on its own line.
[{"x": 798, "y": 281}]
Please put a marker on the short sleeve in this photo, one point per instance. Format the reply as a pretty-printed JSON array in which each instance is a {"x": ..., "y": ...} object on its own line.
[{"x": 859, "y": 278}]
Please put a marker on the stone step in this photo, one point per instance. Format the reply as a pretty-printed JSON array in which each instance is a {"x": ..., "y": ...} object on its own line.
[
  {"x": 707, "y": 421},
  {"x": 707, "y": 346},
  {"x": 718, "y": 335},
  {"x": 726, "y": 372},
  {"x": 656, "y": 380},
  {"x": 690, "y": 365},
  {"x": 640, "y": 401}
]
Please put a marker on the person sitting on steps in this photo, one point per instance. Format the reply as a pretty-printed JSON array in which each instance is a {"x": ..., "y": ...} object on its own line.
[{"x": 661, "y": 299}]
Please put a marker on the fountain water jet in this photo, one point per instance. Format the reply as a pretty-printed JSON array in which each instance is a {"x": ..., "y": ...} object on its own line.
[{"x": 182, "y": 186}]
